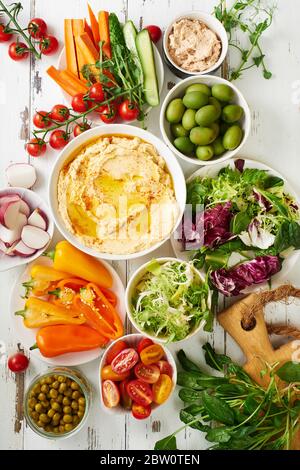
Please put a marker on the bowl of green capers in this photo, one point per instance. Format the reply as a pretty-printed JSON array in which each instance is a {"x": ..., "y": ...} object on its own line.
[
  {"x": 205, "y": 120},
  {"x": 57, "y": 403}
]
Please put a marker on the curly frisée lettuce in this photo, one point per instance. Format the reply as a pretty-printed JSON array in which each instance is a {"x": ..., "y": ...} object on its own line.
[{"x": 171, "y": 300}]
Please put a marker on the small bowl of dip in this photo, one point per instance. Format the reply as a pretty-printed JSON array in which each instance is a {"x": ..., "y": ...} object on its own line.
[{"x": 195, "y": 43}]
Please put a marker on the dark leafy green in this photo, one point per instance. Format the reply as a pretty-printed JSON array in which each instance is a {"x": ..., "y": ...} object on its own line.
[
  {"x": 186, "y": 363},
  {"x": 218, "y": 409},
  {"x": 289, "y": 372}
]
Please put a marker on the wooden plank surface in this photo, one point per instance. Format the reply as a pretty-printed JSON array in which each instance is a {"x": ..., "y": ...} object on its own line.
[{"x": 274, "y": 139}]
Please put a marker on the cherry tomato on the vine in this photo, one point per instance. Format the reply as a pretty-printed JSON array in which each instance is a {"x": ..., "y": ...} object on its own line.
[
  {"x": 79, "y": 104},
  {"x": 36, "y": 147},
  {"x": 128, "y": 110},
  {"x": 96, "y": 92},
  {"x": 18, "y": 51},
  {"x": 48, "y": 45},
  {"x": 59, "y": 139},
  {"x": 80, "y": 128},
  {"x": 140, "y": 412},
  {"x": 37, "y": 28},
  {"x": 109, "y": 113},
  {"x": 155, "y": 32},
  {"x": 41, "y": 120},
  {"x": 4, "y": 36},
  {"x": 60, "y": 113},
  {"x": 18, "y": 362},
  {"x": 144, "y": 343}
]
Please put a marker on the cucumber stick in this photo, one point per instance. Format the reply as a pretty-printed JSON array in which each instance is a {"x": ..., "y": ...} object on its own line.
[
  {"x": 130, "y": 33},
  {"x": 145, "y": 53}
]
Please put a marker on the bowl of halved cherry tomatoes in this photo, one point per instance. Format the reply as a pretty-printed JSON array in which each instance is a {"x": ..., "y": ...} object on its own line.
[{"x": 136, "y": 376}]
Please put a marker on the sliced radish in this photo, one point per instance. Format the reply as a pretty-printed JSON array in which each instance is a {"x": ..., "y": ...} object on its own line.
[
  {"x": 11, "y": 250},
  {"x": 34, "y": 237},
  {"x": 9, "y": 213},
  {"x": 9, "y": 198},
  {"x": 22, "y": 175},
  {"x": 38, "y": 219},
  {"x": 20, "y": 249},
  {"x": 9, "y": 236},
  {"x": 3, "y": 247},
  {"x": 24, "y": 208}
]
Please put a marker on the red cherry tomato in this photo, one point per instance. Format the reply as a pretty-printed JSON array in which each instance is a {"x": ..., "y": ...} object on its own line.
[
  {"x": 144, "y": 343},
  {"x": 155, "y": 32},
  {"x": 149, "y": 374},
  {"x": 81, "y": 128},
  {"x": 125, "y": 361},
  {"x": 109, "y": 113},
  {"x": 18, "y": 51},
  {"x": 152, "y": 354},
  {"x": 115, "y": 350},
  {"x": 36, "y": 147},
  {"x": 59, "y": 139},
  {"x": 18, "y": 362},
  {"x": 128, "y": 110},
  {"x": 79, "y": 104},
  {"x": 96, "y": 93},
  {"x": 140, "y": 392},
  {"x": 110, "y": 394},
  {"x": 162, "y": 389},
  {"x": 4, "y": 37},
  {"x": 140, "y": 412},
  {"x": 41, "y": 120},
  {"x": 48, "y": 45},
  {"x": 165, "y": 368},
  {"x": 60, "y": 113},
  {"x": 108, "y": 374},
  {"x": 37, "y": 28},
  {"x": 126, "y": 401}
]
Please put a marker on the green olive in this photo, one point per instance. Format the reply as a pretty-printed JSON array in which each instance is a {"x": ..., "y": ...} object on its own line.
[
  {"x": 224, "y": 127},
  {"x": 232, "y": 113},
  {"x": 67, "y": 410},
  {"x": 206, "y": 115},
  {"x": 68, "y": 427},
  {"x": 199, "y": 87},
  {"x": 222, "y": 92},
  {"x": 184, "y": 145},
  {"x": 175, "y": 111},
  {"x": 75, "y": 405},
  {"x": 188, "y": 119},
  {"x": 53, "y": 393},
  {"x": 216, "y": 104},
  {"x": 202, "y": 135},
  {"x": 195, "y": 99},
  {"x": 204, "y": 152},
  {"x": 56, "y": 406},
  {"x": 67, "y": 419},
  {"x": 38, "y": 407},
  {"x": 179, "y": 131},
  {"x": 75, "y": 395},
  {"x": 74, "y": 385},
  {"x": 66, "y": 401},
  {"x": 218, "y": 146},
  {"x": 215, "y": 126},
  {"x": 233, "y": 137}
]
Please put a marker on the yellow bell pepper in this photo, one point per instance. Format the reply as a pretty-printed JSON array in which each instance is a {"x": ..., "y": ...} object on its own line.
[{"x": 41, "y": 279}]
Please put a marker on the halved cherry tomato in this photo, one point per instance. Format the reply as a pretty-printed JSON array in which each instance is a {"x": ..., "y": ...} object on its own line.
[
  {"x": 110, "y": 394},
  {"x": 162, "y": 389},
  {"x": 140, "y": 412},
  {"x": 152, "y": 354},
  {"x": 108, "y": 374},
  {"x": 126, "y": 401},
  {"x": 125, "y": 361},
  {"x": 165, "y": 368},
  {"x": 149, "y": 374},
  {"x": 144, "y": 343},
  {"x": 140, "y": 392},
  {"x": 115, "y": 350}
]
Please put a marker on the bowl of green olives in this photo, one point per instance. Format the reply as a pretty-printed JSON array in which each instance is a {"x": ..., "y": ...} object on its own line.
[
  {"x": 205, "y": 120},
  {"x": 57, "y": 403}
]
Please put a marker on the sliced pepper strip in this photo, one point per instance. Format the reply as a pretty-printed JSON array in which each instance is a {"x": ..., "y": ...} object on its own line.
[
  {"x": 72, "y": 283},
  {"x": 111, "y": 297},
  {"x": 94, "y": 318},
  {"x": 107, "y": 310}
]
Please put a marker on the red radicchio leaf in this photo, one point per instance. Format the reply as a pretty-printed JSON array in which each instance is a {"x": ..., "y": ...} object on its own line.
[
  {"x": 239, "y": 164},
  {"x": 217, "y": 225}
]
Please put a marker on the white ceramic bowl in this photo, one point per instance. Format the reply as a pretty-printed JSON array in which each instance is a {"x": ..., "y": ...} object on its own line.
[
  {"x": 113, "y": 129},
  {"x": 132, "y": 340},
  {"x": 34, "y": 201},
  {"x": 94, "y": 117},
  {"x": 214, "y": 24},
  {"x": 135, "y": 279},
  {"x": 178, "y": 92}
]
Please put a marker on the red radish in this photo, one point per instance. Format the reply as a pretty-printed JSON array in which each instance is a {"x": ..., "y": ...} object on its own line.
[
  {"x": 24, "y": 208},
  {"x": 18, "y": 362},
  {"x": 20, "y": 249},
  {"x": 21, "y": 175},
  {"x": 34, "y": 237},
  {"x": 9, "y": 213},
  {"x": 9, "y": 236},
  {"x": 38, "y": 219}
]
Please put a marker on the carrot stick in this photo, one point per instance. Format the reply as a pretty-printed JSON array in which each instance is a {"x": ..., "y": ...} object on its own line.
[
  {"x": 79, "y": 84},
  {"x": 94, "y": 26},
  {"x": 78, "y": 28},
  {"x": 70, "y": 48},
  {"x": 63, "y": 83},
  {"x": 88, "y": 30},
  {"x": 89, "y": 52},
  {"x": 104, "y": 32}
]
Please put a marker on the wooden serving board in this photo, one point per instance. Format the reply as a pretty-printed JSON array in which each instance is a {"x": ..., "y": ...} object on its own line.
[{"x": 255, "y": 342}]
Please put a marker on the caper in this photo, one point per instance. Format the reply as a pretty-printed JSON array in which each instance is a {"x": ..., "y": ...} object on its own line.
[
  {"x": 56, "y": 417},
  {"x": 80, "y": 414},
  {"x": 68, "y": 392},
  {"x": 56, "y": 406},
  {"x": 55, "y": 430},
  {"x": 42, "y": 396},
  {"x": 34, "y": 415},
  {"x": 40, "y": 424},
  {"x": 67, "y": 419},
  {"x": 45, "y": 388},
  {"x": 36, "y": 389},
  {"x": 81, "y": 408},
  {"x": 75, "y": 420},
  {"x": 51, "y": 413},
  {"x": 53, "y": 393},
  {"x": 74, "y": 405},
  {"x": 44, "y": 418},
  {"x": 68, "y": 427},
  {"x": 49, "y": 380},
  {"x": 45, "y": 403},
  {"x": 76, "y": 395},
  {"x": 48, "y": 428},
  {"x": 60, "y": 398},
  {"x": 43, "y": 381},
  {"x": 66, "y": 401},
  {"x": 38, "y": 407},
  {"x": 55, "y": 384},
  {"x": 67, "y": 410},
  {"x": 74, "y": 385},
  {"x": 32, "y": 402},
  {"x": 61, "y": 428},
  {"x": 61, "y": 378},
  {"x": 62, "y": 387}
]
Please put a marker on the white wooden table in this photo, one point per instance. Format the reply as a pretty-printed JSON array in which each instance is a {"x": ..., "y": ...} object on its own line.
[{"x": 274, "y": 139}]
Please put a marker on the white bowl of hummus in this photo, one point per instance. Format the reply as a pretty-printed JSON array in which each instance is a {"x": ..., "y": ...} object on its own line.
[
  {"x": 195, "y": 43},
  {"x": 117, "y": 192}
]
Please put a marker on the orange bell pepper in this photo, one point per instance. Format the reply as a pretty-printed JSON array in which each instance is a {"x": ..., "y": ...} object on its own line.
[
  {"x": 53, "y": 341},
  {"x": 111, "y": 297}
]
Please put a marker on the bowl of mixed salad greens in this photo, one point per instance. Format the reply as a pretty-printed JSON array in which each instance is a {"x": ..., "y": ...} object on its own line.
[
  {"x": 241, "y": 226},
  {"x": 169, "y": 300}
]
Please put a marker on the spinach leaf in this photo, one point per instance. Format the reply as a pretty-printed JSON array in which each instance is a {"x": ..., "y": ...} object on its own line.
[
  {"x": 188, "y": 416},
  {"x": 230, "y": 390},
  {"x": 288, "y": 235},
  {"x": 167, "y": 443},
  {"x": 240, "y": 222},
  {"x": 250, "y": 404},
  {"x": 199, "y": 381},
  {"x": 289, "y": 372},
  {"x": 220, "y": 434},
  {"x": 188, "y": 395},
  {"x": 186, "y": 363},
  {"x": 197, "y": 191},
  {"x": 218, "y": 409},
  {"x": 273, "y": 182},
  {"x": 214, "y": 360},
  {"x": 276, "y": 202}
]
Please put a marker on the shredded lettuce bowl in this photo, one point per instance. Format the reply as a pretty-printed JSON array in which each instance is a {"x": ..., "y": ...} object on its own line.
[{"x": 169, "y": 300}]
